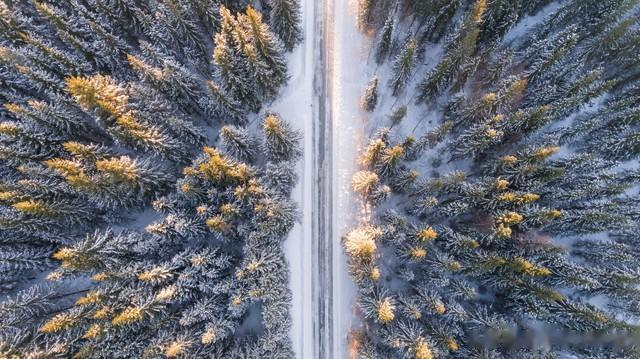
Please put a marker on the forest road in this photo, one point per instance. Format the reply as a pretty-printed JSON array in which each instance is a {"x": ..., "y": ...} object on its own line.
[
  {"x": 335, "y": 143},
  {"x": 338, "y": 46},
  {"x": 323, "y": 283}
]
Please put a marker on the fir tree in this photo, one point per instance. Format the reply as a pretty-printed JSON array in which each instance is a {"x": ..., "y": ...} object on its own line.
[
  {"x": 384, "y": 44},
  {"x": 271, "y": 71},
  {"x": 280, "y": 139},
  {"x": 398, "y": 115},
  {"x": 285, "y": 19},
  {"x": 231, "y": 64},
  {"x": 220, "y": 104},
  {"x": 403, "y": 66},
  {"x": 369, "y": 100},
  {"x": 239, "y": 143}
]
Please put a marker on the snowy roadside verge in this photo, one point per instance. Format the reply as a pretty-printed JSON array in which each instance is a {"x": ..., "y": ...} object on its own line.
[
  {"x": 347, "y": 79},
  {"x": 295, "y": 105}
]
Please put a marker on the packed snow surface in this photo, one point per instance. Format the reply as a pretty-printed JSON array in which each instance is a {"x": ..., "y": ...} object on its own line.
[
  {"x": 295, "y": 105},
  {"x": 348, "y": 77}
]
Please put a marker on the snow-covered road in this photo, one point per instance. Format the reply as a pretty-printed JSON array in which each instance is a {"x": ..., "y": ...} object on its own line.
[
  {"x": 321, "y": 100},
  {"x": 347, "y": 56}
]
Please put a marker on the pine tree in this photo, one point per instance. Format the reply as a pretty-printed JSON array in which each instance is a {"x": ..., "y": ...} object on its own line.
[
  {"x": 248, "y": 57},
  {"x": 280, "y": 139},
  {"x": 172, "y": 79},
  {"x": 239, "y": 143},
  {"x": 364, "y": 182},
  {"x": 110, "y": 102},
  {"x": 369, "y": 100},
  {"x": 398, "y": 115},
  {"x": 459, "y": 60},
  {"x": 104, "y": 251},
  {"x": 230, "y": 64},
  {"x": 403, "y": 66},
  {"x": 285, "y": 20},
  {"x": 384, "y": 44},
  {"x": 223, "y": 105},
  {"x": 271, "y": 69}
]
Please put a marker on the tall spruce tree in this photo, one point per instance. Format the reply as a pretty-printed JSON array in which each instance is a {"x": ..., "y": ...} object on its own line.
[
  {"x": 369, "y": 99},
  {"x": 386, "y": 37},
  {"x": 403, "y": 65},
  {"x": 285, "y": 20}
]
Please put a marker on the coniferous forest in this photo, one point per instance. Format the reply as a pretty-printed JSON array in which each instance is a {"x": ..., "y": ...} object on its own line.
[
  {"x": 141, "y": 213},
  {"x": 157, "y": 177},
  {"x": 509, "y": 228}
]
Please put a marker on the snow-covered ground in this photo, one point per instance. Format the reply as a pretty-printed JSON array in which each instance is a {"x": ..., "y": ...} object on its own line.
[
  {"x": 348, "y": 52},
  {"x": 529, "y": 22},
  {"x": 295, "y": 105}
]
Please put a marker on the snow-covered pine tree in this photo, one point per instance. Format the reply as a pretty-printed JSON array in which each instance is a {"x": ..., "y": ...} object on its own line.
[
  {"x": 173, "y": 288},
  {"x": 285, "y": 20},
  {"x": 239, "y": 143},
  {"x": 280, "y": 140},
  {"x": 398, "y": 115},
  {"x": 403, "y": 65},
  {"x": 249, "y": 58},
  {"x": 103, "y": 103},
  {"x": 459, "y": 59},
  {"x": 271, "y": 67},
  {"x": 231, "y": 62},
  {"x": 369, "y": 99},
  {"x": 512, "y": 218},
  {"x": 386, "y": 36}
]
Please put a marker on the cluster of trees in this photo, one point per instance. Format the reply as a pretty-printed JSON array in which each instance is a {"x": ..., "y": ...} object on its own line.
[
  {"x": 509, "y": 228},
  {"x": 114, "y": 241}
]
